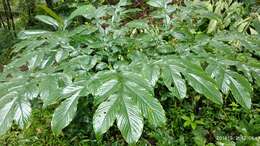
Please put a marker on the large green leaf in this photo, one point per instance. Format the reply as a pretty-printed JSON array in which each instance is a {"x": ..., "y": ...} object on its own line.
[
  {"x": 129, "y": 120},
  {"x": 85, "y": 62},
  {"x": 15, "y": 105},
  {"x": 26, "y": 34},
  {"x": 231, "y": 81},
  {"x": 31, "y": 91},
  {"x": 205, "y": 87},
  {"x": 201, "y": 81},
  {"x": 64, "y": 113},
  {"x": 218, "y": 73},
  {"x": 7, "y": 104},
  {"x": 156, "y": 3},
  {"x": 254, "y": 69},
  {"x": 22, "y": 112},
  {"x": 48, "y": 20},
  {"x": 126, "y": 97},
  {"x": 52, "y": 14},
  {"x": 173, "y": 67},
  {"x": 151, "y": 72},
  {"x": 102, "y": 84},
  {"x": 142, "y": 91},
  {"x": 49, "y": 90},
  {"x": 170, "y": 74},
  {"x": 87, "y": 11},
  {"x": 105, "y": 115},
  {"x": 241, "y": 89}
]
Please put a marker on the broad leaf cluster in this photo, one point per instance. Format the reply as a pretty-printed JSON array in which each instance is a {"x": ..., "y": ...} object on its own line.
[{"x": 199, "y": 47}]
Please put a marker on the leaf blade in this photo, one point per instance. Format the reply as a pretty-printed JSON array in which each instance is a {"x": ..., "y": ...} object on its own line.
[
  {"x": 130, "y": 121},
  {"x": 64, "y": 113}
]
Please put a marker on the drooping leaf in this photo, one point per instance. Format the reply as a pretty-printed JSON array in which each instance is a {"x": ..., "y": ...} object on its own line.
[
  {"x": 22, "y": 112},
  {"x": 170, "y": 74},
  {"x": 231, "y": 81},
  {"x": 87, "y": 11},
  {"x": 156, "y": 3},
  {"x": 31, "y": 33},
  {"x": 105, "y": 115},
  {"x": 151, "y": 72},
  {"x": 85, "y": 62},
  {"x": 49, "y": 90},
  {"x": 61, "y": 55},
  {"x": 64, "y": 113},
  {"x": 150, "y": 106},
  {"x": 126, "y": 97},
  {"x": 173, "y": 67},
  {"x": 254, "y": 68},
  {"x": 52, "y": 14},
  {"x": 7, "y": 104},
  {"x": 15, "y": 106},
  {"x": 202, "y": 82},
  {"x": 241, "y": 89},
  {"x": 130, "y": 120},
  {"x": 205, "y": 87},
  {"x": 48, "y": 20},
  {"x": 102, "y": 85},
  {"x": 218, "y": 73},
  {"x": 31, "y": 91}
]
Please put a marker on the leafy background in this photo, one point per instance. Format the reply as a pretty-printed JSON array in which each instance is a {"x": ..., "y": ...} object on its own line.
[{"x": 148, "y": 72}]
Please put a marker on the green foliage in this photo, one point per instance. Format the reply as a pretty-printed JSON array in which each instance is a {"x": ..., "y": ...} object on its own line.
[
  {"x": 201, "y": 49},
  {"x": 127, "y": 98}
]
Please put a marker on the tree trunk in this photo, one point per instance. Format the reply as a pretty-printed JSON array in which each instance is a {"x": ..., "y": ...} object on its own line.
[
  {"x": 9, "y": 16},
  {"x": 6, "y": 14},
  {"x": 2, "y": 22},
  {"x": 30, "y": 10}
]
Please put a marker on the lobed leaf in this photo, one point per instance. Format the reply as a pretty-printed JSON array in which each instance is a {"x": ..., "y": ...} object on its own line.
[{"x": 126, "y": 97}]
